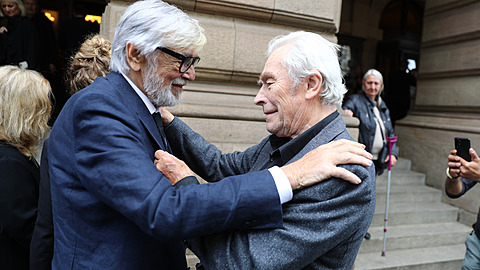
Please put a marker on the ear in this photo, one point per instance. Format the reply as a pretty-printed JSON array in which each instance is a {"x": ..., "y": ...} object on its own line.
[
  {"x": 314, "y": 85},
  {"x": 134, "y": 59}
]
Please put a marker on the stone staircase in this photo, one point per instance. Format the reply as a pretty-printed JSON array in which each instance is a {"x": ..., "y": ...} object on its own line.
[{"x": 422, "y": 232}]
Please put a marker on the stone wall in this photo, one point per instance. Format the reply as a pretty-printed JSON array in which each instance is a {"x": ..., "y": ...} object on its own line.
[{"x": 447, "y": 102}]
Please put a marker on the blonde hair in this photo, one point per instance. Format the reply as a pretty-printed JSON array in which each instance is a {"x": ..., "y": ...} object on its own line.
[
  {"x": 91, "y": 61},
  {"x": 25, "y": 108},
  {"x": 21, "y": 7}
]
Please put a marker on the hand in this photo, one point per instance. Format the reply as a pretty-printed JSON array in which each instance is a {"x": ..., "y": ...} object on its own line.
[
  {"x": 3, "y": 29},
  {"x": 394, "y": 160},
  {"x": 348, "y": 112},
  {"x": 321, "y": 163},
  {"x": 171, "y": 167},
  {"x": 454, "y": 186},
  {"x": 470, "y": 170},
  {"x": 454, "y": 164},
  {"x": 167, "y": 117}
]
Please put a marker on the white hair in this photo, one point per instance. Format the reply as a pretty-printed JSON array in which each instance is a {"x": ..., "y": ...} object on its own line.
[
  {"x": 149, "y": 24},
  {"x": 310, "y": 51},
  {"x": 375, "y": 73}
]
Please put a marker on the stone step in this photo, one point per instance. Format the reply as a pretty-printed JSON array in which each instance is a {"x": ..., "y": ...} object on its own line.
[
  {"x": 407, "y": 193},
  {"x": 429, "y": 258},
  {"x": 402, "y": 164},
  {"x": 415, "y": 236},
  {"x": 402, "y": 177},
  {"x": 401, "y": 213}
]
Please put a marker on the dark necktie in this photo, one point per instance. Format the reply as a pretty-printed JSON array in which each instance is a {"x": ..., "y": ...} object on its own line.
[{"x": 158, "y": 122}]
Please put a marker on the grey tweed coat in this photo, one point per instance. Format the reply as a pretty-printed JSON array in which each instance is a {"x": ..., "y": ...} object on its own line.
[{"x": 323, "y": 225}]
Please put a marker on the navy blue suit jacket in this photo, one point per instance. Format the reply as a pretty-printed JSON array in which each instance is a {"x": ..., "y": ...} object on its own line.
[{"x": 113, "y": 210}]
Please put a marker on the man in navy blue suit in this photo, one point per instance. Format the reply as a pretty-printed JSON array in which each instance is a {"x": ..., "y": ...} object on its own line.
[{"x": 112, "y": 209}]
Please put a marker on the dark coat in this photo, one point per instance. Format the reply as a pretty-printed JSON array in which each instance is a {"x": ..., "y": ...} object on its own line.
[
  {"x": 19, "y": 178},
  {"x": 41, "y": 247},
  {"x": 20, "y": 43}
]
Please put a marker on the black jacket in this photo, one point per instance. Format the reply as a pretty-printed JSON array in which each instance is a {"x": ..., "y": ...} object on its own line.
[
  {"x": 19, "y": 179},
  {"x": 362, "y": 107},
  {"x": 41, "y": 247},
  {"x": 20, "y": 43}
]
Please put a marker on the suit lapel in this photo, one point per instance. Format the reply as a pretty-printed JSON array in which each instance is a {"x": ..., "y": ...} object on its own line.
[{"x": 135, "y": 104}]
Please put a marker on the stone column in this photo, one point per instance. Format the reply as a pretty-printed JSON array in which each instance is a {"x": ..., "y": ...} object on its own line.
[{"x": 448, "y": 95}]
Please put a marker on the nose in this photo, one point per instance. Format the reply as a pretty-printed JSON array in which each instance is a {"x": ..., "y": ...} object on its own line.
[
  {"x": 259, "y": 98},
  {"x": 189, "y": 74}
]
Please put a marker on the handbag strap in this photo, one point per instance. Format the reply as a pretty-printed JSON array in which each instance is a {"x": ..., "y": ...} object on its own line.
[{"x": 380, "y": 126}]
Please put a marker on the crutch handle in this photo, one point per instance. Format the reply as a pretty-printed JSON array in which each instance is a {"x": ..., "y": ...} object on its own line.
[{"x": 390, "y": 142}]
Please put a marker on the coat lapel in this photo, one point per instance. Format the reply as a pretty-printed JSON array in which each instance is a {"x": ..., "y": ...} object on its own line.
[
  {"x": 135, "y": 104},
  {"x": 326, "y": 135}
]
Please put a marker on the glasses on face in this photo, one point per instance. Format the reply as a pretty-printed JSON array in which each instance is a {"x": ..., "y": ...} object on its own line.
[{"x": 187, "y": 61}]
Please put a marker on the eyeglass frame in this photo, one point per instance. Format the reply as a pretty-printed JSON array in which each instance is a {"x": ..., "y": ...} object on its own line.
[{"x": 181, "y": 57}]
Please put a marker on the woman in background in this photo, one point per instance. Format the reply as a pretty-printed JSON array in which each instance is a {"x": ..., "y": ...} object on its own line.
[
  {"x": 91, "y": 61},
  {"x": 24, "y": 111},
  {"x": 375, "y": 124},
  {"x": 18, "y": 36}
]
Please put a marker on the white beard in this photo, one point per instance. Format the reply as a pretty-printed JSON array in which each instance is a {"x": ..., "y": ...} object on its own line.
[{"x": 157, "y": 93}]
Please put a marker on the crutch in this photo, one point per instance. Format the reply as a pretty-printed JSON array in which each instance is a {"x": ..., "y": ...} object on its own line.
[{"x": 390, "y": 142}]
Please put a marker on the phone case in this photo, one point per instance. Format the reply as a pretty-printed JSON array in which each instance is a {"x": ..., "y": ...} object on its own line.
[{"x": 463, "y": 145}]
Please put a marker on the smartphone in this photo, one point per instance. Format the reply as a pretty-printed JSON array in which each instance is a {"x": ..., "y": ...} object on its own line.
[{"x": 462, "y": 145}]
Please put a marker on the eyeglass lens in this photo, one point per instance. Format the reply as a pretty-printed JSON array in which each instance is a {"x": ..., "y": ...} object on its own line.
[{"x": 188, "y": 62}]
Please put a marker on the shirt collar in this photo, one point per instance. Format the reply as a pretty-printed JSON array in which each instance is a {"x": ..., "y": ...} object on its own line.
[
  {"x": 292, "y": 147},
  {"x": 144, "y": 98}
]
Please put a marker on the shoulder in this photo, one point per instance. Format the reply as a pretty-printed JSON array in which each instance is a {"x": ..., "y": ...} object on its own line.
[
  {"x": 102, "y": 92},
  {"x": 354, "y": 100},
  {"x": 16, "y": 166},
  {"x": 9, "y": 153},
  {"x": 354, "y": 97}
]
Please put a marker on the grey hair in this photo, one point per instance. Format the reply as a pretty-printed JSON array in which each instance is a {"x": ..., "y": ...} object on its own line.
[
  {"x": 308, "y": 52},
  {"x": 377, "y": 74},
  {"x": 149, "y": 24}
]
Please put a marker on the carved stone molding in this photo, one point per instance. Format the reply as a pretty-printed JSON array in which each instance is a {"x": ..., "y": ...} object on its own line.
[{"x": 266, "y": 11}]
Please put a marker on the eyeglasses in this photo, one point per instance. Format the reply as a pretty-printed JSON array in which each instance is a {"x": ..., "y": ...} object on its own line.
[{"x": 187, "y": 61}]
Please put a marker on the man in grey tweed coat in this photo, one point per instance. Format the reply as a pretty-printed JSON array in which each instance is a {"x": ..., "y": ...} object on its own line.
[{"x": 301, "y": 87}]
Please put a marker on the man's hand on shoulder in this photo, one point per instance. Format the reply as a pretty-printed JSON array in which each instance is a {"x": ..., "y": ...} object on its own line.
[{"x": 321, "y": 163}]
